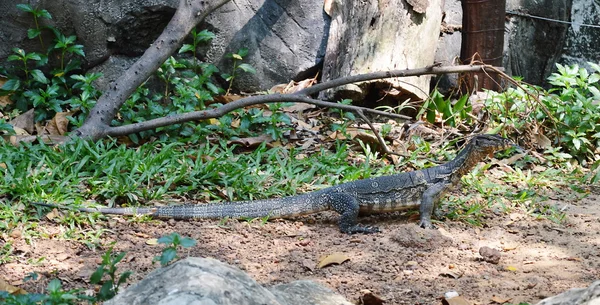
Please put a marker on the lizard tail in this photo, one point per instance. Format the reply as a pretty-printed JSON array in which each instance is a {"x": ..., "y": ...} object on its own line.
[
  {"x": 273, "y": 208},
  {"x": 116, "y": 211}
]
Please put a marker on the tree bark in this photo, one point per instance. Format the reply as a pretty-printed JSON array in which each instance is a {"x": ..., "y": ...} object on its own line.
[
  {"x": 367, "y": 36},
  {"x": 483, "y": 40},
  {"x": 188, "y": 14}
]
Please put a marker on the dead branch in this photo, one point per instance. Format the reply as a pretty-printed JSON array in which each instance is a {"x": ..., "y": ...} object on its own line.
[
  {"x": 430, "y": 70},
  {"x": 298, "y": 97},
  {"x": 241, "y": 103}
]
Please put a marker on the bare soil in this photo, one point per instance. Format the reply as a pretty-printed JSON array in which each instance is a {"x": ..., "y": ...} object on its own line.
[{"x": 403, "y": 264}]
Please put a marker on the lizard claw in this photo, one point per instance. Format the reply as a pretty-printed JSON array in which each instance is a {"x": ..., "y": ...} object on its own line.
[
  {"x": 361, "y": 229},
  {"x": 426, "y": 224}
]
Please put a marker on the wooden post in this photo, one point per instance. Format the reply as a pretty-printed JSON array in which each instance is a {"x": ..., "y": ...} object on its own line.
[{"x": 483, "y": 40}]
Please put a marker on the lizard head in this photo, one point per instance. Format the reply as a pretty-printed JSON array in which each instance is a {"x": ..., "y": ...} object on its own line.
[
  {"x": 488, "y": 144},
  {"x": 477, "y": 149}
]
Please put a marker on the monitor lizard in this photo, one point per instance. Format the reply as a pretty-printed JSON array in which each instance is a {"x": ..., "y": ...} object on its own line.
[{"x": 421, "y": 188}]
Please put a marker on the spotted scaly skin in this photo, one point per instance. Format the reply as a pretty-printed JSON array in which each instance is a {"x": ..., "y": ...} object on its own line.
[{"x": 421, "y": 188}]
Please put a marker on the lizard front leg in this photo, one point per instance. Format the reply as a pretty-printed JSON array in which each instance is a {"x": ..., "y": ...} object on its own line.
[
  {"x": 348, "y": 207},
  {"x": 430, "y": 196}
]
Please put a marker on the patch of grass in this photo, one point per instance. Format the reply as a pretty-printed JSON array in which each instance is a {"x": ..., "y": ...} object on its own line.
[
  {"x": 466, "y": 209},
  {"x": 520, "y": 189},
  {"x": 116, "y": 175}
]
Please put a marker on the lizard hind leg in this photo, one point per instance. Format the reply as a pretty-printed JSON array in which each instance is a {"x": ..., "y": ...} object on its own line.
[{"x": 348, "y": 208}]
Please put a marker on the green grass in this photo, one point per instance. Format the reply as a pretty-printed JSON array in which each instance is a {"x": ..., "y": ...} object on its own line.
[{"x": 114, "y": 174}]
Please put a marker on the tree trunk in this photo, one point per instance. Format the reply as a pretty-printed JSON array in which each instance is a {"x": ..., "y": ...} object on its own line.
[
  {"x": 368, "y": 36},
  {"x": 483, "y": 40}
]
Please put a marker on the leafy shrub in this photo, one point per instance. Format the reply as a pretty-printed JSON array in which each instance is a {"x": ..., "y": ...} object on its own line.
[
  {"x": 569, "y": 113},
  {"x": 32, "y": 82}
]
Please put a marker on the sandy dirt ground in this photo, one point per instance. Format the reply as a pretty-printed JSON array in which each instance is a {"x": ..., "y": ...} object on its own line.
[{"x": 403, "y": 264}]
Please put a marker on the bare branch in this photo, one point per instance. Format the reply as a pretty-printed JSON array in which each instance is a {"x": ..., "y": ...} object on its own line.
[
  {"x": 384, "y": 148},
  {"x": 295, "y": 97},
  {"x": 434, "y": 69},
  {"x": 241, "y": 103}
]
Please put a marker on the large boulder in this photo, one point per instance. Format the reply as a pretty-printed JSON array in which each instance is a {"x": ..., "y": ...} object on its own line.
[
  {"x": 577, "y": 296},
  {"x": 208, "y": 281},
  {"x": 285, "y": 39}
]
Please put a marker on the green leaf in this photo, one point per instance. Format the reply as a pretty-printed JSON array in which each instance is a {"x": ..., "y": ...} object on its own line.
[
  {"x": 247, "y": 68},
  {"x": 39, "y": 76},
  {"x": 187, "y": 242},
  {"x": 33, "y": 33},
  {"x": 168, "y": 255},
  {"x": 583, "y": 74},
  {"x": 21, "y": 52},
  {"x": 97, "y": 275},
  {"x": 167, "y": 240},
  {"x": 13, "y": 57},
  {"x": 43, "y": 60},
  {"x": 594, "y": 66},
  {"x": 595, "y": 92},
  {"x": 71, "y": 39},
  {"x": 7, "y": 127},
  {"x": 68, "y": 296},
  {"x": 430, "y": 115},
  {"x": 124, "y": 276},
  {"x": 45, "y": 14},
  {"x": 564, "y": 155},
  {"x": 54, "y": 285},
  {"x": 460, "y": 104},
  {"x": 242, "y": 52},
  {"x": 33, "y": 56},
  {"x": 12, "y": 84},
  {"x": 106, "y": 291},
  {"x": 118, "y": 258},
  {"x": 76, "y": 49},
  {"x": 25, "y": 7},
  {"x": 205, "y": 35},
  {"x": 594, "y": 78},
  {"x": 576, "y": 143},
  {"x": 134, "y": 138},
  {"x": 214, "y": 89},
  {"x": 186, "y": 48}
]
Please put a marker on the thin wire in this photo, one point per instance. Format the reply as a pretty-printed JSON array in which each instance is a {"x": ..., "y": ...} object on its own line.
[{"x": 553, "y": 20}]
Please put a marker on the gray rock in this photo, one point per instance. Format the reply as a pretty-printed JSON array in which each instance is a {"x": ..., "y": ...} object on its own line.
[
  {"x": 111, "y": 69},
  {"x": 306, "y": 292},
  {"x": 577, "y": 296},
  {"x": 205, "y": 281},
  {"x": 286, "y": 39}
]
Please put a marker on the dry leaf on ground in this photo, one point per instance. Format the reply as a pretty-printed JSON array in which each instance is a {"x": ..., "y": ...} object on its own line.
[
  {"x": 500, "y": 300},
  {"x": 24, "y": 121},
  {"x": 58, "y": 126},
  {"x": 369, "y": 298},
  {"x": 334, "y": 258},
  {"x": 5, "y": 286},
  {"x": 252, "y": 141}
]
